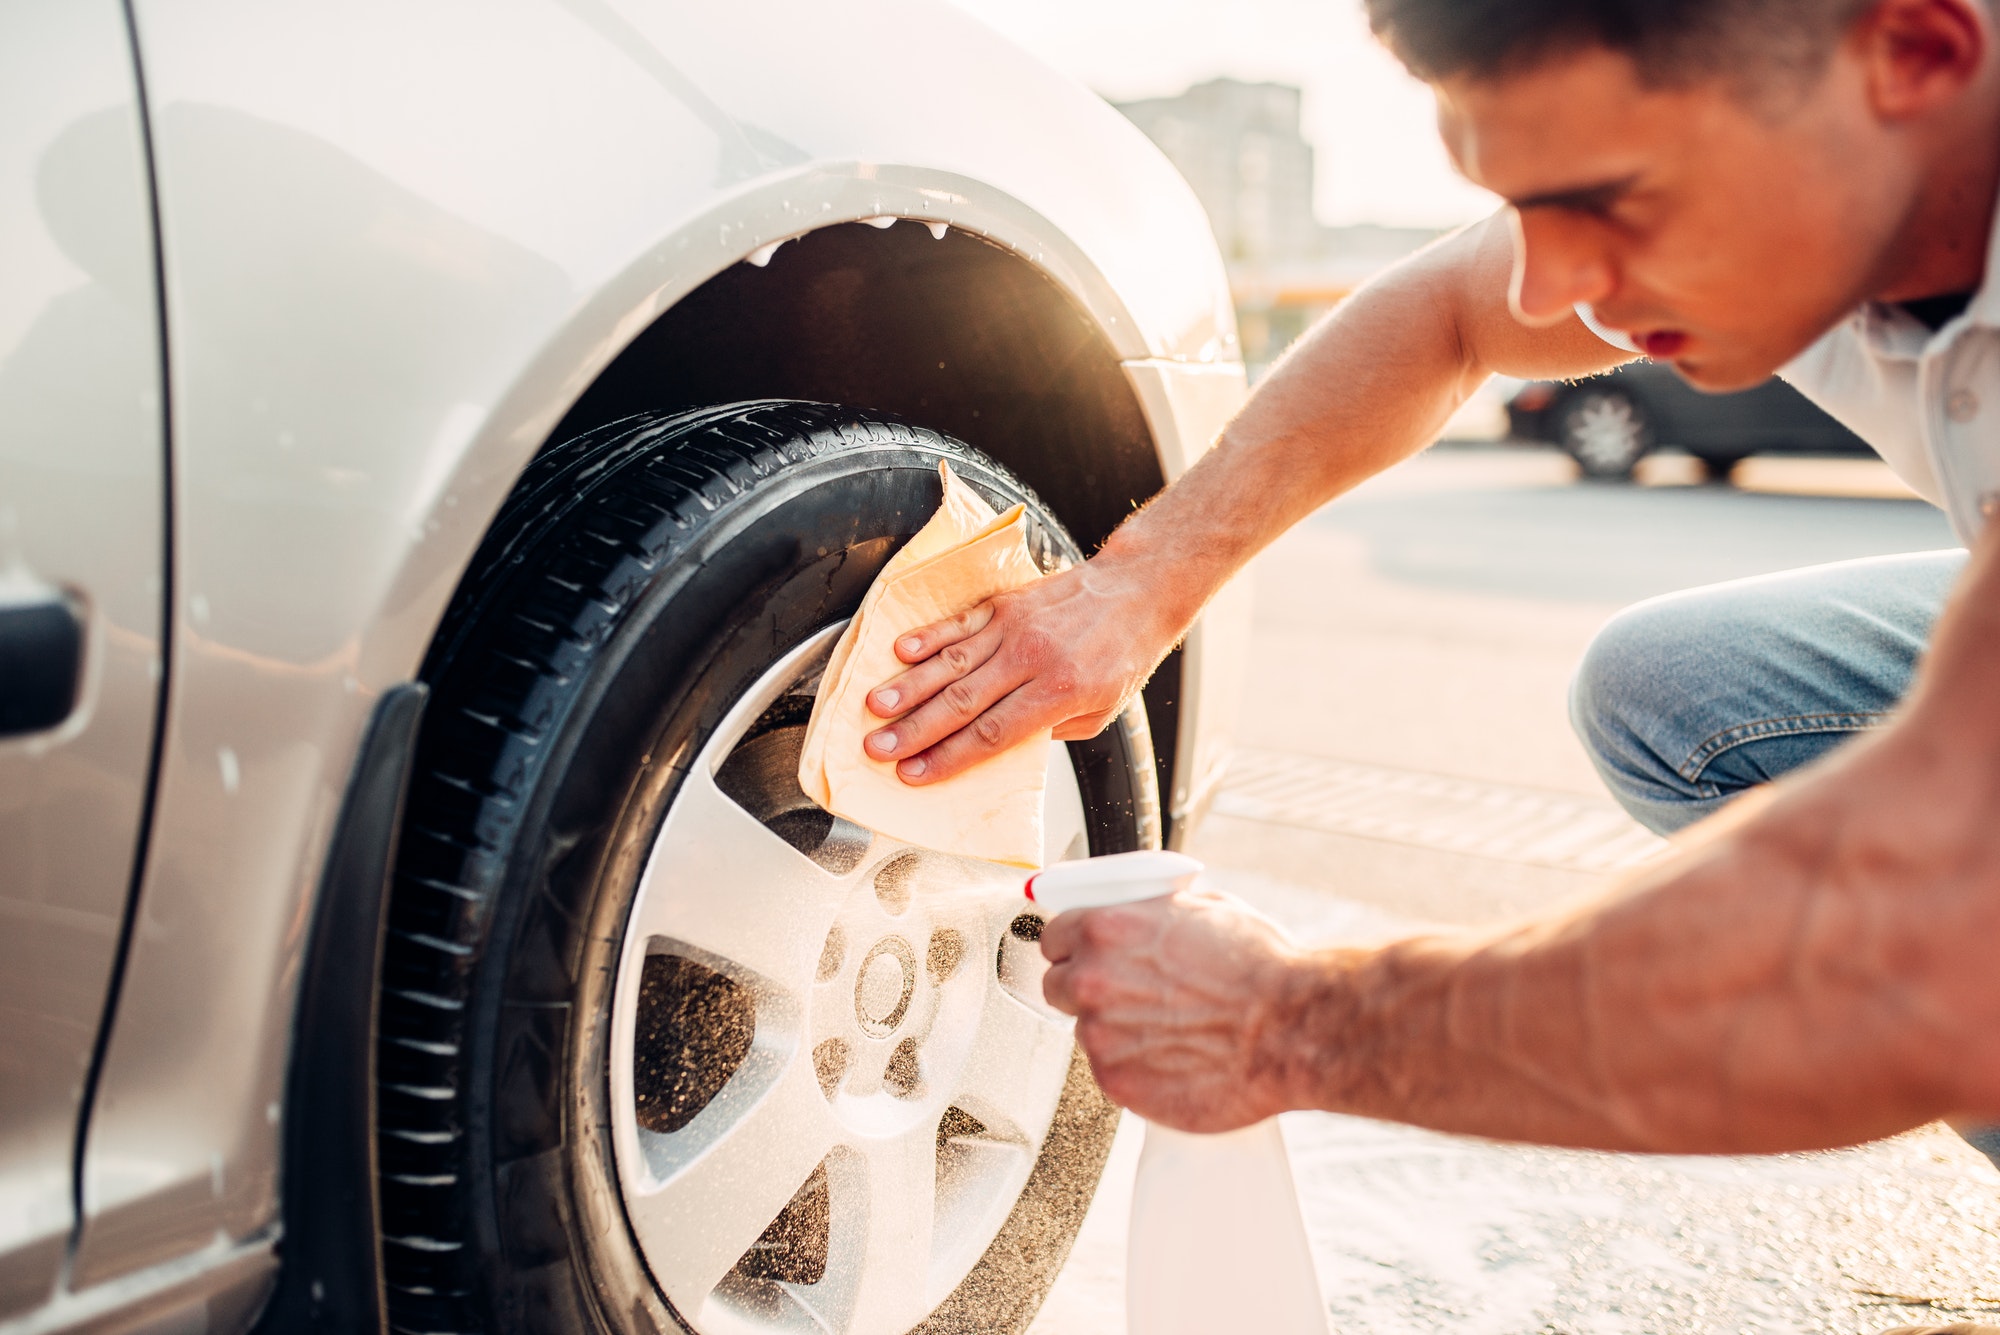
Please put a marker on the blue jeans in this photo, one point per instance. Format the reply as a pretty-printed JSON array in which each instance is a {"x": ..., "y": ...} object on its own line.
[{"x": 1684, "y": 701}]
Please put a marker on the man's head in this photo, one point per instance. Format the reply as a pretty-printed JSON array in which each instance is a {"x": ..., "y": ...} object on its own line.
[{"x": 1724, "y": 179}]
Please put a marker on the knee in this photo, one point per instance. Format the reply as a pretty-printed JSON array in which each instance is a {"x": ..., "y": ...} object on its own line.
[
  {"x": 1621, "y": 705},
  {"x": 1617, "y": 683}
]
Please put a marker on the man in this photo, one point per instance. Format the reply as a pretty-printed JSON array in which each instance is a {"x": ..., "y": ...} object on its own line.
[{"x": 1737, "y": 187}]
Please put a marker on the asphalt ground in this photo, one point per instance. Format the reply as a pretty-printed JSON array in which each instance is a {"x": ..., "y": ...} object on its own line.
[{"x": 1408, "y": 762}]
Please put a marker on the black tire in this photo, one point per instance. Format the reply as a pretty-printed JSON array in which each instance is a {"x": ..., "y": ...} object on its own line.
[
  {"x": 1606, "y": 430},
  {"x": 639, "y": 579}
]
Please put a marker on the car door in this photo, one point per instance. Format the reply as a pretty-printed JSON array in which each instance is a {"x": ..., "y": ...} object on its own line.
[{"x": 82, "y": 585}]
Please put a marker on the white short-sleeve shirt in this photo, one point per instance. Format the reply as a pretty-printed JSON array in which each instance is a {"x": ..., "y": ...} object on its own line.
[{"x": 1929, "y": 402}]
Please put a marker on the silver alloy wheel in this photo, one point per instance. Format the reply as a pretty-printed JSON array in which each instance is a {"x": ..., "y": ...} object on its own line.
[
  {"x": 1606, "y": 433},
  {"x": 894, "y": 1069}
]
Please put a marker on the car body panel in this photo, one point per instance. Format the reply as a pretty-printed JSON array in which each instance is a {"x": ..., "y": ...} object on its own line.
[
  {"x": 1772, "y": 418},
  {"x": 1187, "y": 406},
  {"x": 399, "y": 241},
  {"x": 82, "y": 509}
]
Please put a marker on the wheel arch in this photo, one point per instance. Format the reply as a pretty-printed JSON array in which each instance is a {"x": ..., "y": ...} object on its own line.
[
  {"x": 937, "y": 325},
  {"x": 922, "y": 294},
  {"x": 949, "y": 330},
  {"x": 742, "y": 299}
]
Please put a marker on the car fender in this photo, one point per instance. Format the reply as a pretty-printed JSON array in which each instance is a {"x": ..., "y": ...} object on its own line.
[{"x": 398, "y": 242}]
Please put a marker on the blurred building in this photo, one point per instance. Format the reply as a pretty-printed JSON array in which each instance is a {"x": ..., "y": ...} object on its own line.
[{"x": 1240, "y": 147}]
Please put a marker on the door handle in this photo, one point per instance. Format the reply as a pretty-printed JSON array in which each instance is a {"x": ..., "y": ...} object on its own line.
[{"x": 41, "y": 661}]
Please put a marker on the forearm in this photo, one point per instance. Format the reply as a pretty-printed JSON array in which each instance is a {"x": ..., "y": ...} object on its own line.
[
  {"x": 1812, "y": 968},
  {"x": 1366, "y": 388},
  {"x": 1694, "y": 1014}
]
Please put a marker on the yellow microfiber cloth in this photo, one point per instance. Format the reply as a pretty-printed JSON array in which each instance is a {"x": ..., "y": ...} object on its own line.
[{"x": 965, "y": 555}]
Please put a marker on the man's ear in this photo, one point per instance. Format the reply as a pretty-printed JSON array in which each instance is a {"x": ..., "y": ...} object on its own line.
[{"x": 1920, "y": 55}]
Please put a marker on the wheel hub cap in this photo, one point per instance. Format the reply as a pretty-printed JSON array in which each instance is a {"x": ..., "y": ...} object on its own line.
[
  {"x": 882, "y": 991},
  {"x": 1605, "y": 432}
]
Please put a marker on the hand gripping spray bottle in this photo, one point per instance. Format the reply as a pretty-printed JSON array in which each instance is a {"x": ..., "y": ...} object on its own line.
[{"x": 1217, "y": 1244}]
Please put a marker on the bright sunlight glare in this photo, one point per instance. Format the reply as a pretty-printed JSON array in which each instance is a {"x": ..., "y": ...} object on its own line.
[{"x": 1378, "y": 155}]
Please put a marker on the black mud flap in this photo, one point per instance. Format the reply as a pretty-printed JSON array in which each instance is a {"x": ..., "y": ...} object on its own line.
[{"x": 330, "y": 1282}]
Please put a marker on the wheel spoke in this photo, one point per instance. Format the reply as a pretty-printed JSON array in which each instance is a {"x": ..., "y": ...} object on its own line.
[
  {"x": 1015, "y": 1072},
  {"x": 895, "y": 1180},
  {"x": 721, "y": 882},
  {"x": 718, "y": 1190}
]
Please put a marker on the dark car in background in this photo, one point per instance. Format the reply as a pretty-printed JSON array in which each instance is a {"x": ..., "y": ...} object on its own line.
[{"x": 1609, "y": 422}]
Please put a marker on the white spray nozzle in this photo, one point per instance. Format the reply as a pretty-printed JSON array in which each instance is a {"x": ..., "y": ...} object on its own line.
[{"x": 1120, "y": 878}]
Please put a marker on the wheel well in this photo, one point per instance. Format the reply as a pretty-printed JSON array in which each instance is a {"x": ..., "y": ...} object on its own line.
[{"x": 953, "y": 333}]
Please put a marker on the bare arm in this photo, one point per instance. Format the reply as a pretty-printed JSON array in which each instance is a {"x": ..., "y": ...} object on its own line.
[
  {"x": 1366, "y": 388},
  {"x": 1813, "y": 967}
]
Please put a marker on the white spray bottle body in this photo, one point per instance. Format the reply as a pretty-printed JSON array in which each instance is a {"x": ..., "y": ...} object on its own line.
[{"x": 1216, "y": 1240}]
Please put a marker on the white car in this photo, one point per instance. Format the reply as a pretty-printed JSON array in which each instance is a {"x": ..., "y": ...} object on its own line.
[{"x": 438, "y": 442}]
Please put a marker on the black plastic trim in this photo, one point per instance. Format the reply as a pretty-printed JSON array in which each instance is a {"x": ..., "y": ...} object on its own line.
[{"x": 331, "y": 1280}]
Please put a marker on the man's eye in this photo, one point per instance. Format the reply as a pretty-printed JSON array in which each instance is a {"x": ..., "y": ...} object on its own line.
[{"x": 1601, "y": 208}]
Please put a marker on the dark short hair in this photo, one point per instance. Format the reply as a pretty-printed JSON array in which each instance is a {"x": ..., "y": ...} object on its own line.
[{"x": 1671, "y": 41}]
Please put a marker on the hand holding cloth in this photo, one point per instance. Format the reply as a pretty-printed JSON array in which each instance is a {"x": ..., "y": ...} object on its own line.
[{"x": 964, "y": 556}]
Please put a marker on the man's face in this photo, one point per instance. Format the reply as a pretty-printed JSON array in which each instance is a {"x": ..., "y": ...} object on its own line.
[{"x": 1724, "y": 235}]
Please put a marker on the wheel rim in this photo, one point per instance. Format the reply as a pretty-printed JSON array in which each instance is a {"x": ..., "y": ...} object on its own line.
[
  {"x": 831, "y": 1068},
  {"x": 1606, "y": 433}
]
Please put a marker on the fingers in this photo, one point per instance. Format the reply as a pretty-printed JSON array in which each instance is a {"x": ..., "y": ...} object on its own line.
[
  {"x": 1072, "y": 942},
  {"x": 1059, "y": 989},
  {"x": 926, "y": 679},
  {"x": 973, "y": 726},
  {"x": 921, "y": 643},
  {"x": 1061, "y": 936},
  {"x": 984, "y": 681}
]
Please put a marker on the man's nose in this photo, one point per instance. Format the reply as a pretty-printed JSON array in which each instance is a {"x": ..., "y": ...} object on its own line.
[{"x": 1559, "y": 261}]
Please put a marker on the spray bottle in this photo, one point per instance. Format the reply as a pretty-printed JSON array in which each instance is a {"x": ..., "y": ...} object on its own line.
[{"x": 1216, "y": 1242}]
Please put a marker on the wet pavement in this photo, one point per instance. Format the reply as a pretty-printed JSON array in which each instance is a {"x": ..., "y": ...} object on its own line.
[{"x": 1422, "y": 632}]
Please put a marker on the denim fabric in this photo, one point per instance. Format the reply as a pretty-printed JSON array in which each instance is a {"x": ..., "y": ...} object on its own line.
[{"x": 1684, "y": 701}]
